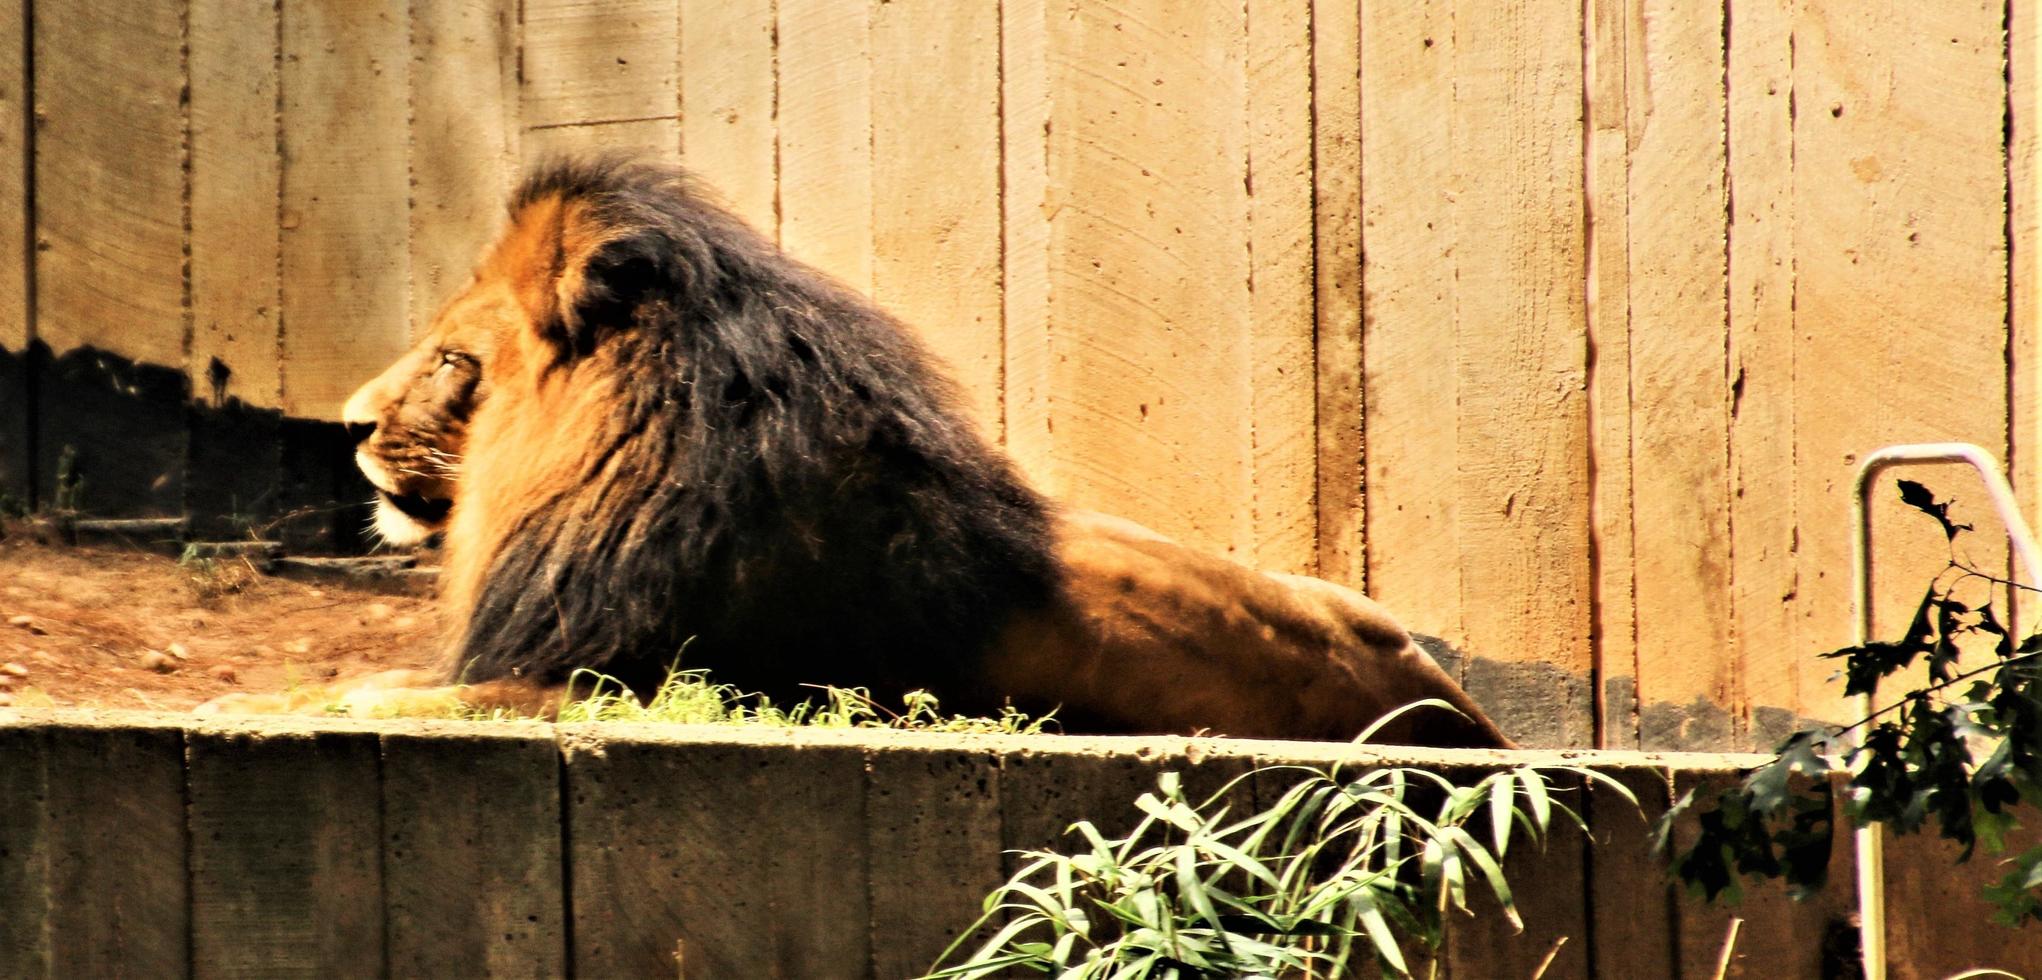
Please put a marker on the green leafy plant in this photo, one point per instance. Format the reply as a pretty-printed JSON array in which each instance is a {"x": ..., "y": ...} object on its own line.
[
  {"x": 690, "y": 697},
  {"x": 1960, "y": 752},
  {"x": 1344, "y": 869}
]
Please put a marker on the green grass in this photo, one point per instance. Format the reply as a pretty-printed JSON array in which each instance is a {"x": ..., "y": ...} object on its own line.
[{"x": 689, "y": 697}]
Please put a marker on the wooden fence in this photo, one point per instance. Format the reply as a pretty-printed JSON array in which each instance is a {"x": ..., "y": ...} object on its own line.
[
  {"x": 1557, "y": 325},
  {"x": 149, "y": 846}
]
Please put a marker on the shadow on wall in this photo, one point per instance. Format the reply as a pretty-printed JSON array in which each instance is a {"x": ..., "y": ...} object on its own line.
[{"x": 107, "y": 436}]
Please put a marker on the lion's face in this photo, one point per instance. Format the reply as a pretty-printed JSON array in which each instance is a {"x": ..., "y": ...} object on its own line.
[{"x": 413, "y": 421}]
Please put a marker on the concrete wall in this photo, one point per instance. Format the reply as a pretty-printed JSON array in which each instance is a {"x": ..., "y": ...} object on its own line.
[{"x": 149, "y": 846}]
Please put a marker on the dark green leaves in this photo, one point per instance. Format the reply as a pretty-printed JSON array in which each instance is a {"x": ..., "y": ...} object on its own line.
[{"x": 1958, "y": 750}]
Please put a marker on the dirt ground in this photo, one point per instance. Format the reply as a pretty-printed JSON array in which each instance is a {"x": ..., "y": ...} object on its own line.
[{"x": 121, "y": 628}]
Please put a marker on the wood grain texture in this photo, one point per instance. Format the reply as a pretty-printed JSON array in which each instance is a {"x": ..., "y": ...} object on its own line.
[
  {"x": 24, "y": 852},
  {"x": 936, "y": 186},
  {"x": 472, "y": 853},
  {"x": 1519, "y": 353},
  {"x": 1763, "y": 516},
  {"x": 682, "y": 849},
  {"x": 464, "y": 141},
  {"x": 1407, "y": 223},
  {"x": 107, "y": 80},
  {"x": 122, "y": 792},
  {"x": 15, "y": 231},
  {"x": 1149, "y": 273},
  {"x": 1339, "y": 161},
  {"x": 286, "y": 843},
  {"x": 346, "y": 267},
  {"x": 1611, "y": 28},
  {"x": 236, "y": 187},
  {"x": 729, "y": 96},
  {"x": 601, "y": 76},
  {"x": 1900, "y": 298},
  {"x": 1679, "y": 393},
  {"x": 825, "y": 132},
  {"x": 1283, "y": 411},
  {"x": 2024, "y": 198},
  {"x": 1025, "y": 240}
]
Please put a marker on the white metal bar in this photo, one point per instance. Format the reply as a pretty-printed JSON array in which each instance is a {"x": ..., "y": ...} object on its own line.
[{"x": 1869, "y": 842}]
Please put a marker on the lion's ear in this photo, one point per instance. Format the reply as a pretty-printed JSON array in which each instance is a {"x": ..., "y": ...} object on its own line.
[{"x": 599, "y": 289}]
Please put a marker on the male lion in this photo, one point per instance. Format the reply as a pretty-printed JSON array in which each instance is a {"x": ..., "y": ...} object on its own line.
[{"x": 643, "y": 429}]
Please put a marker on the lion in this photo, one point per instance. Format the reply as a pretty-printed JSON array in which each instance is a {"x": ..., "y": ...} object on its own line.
[{"x": 646, "y": 433}]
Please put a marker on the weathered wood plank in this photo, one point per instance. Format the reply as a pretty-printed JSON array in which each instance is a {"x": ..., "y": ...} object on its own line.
[
  {"x": 1150, "y": 372},
  {"x": 24, "y": 851},
  {"x": 1406, "y": 169},
  {"x": 1283, "y": 412},
  {"x": 472, "y": 853},
  {"x": 933, "y": 840},
  {"x": 1679, "y": 412},
  {"x": 237, "y": 328},
  {"x": 601, "y": 76},
  {"x": 116, "y": 790},
  {"x": 1520, "y": 357},
  {"x": 286, "y": 842},
  {"x": 16, "y": 251},
  {"x": 464, "y": 141},
  {"x": 935, "y": 155},
  {"x": 346, "y": 254},
  {"x": 1548, "y": 883},
  {"x": 728, "y": 99},
  {"x": 681, "y": 847},
  {"x": 1611, "y": 30},
  {"x": 1630, "y": 897},
  {"x": 1339, "y": 165},
  {"x": 2024, "y": 198},
  {"x": 109, "y": 281},
  {"x": 1763, "y": 575},
  {"x": 1900, "y": 304},
  {"x": 1026, "y": 243},
  {"x": 826, "y": 134}
]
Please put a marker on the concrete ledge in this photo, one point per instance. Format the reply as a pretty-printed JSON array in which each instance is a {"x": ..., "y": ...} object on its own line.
[{"x": 158, "y": 845}]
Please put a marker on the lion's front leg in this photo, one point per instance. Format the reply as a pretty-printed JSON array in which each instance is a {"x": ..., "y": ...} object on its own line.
[{"x": 398, "y": 694}]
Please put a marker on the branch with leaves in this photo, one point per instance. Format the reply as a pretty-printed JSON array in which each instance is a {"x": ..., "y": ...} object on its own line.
[{"x": 1959, "y": 752}]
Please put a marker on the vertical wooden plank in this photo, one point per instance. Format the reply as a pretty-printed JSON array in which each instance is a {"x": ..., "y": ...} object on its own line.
[
  {"x": 601, "y": 76},
  {"x": 1405, "y": 192},
  {"x": 471, "y": 852},
  {"x": 235, "y": 183},
  {"x": 933, "y": 836},
  {"x": 935, "y": 211},
  {"x": 1900, "y": 185},
  {"x": 826, "y": 136},
  {"x": 1520, "y": 356},
  {"x": 1026, "y": 243},
  {"x": 117, "y": 790},
  {"x": 1283, "y": 414},
  {"x": 729, "y": 95},
  {"x": 109, "y": 280},
  {"x": 24, "y": 851},
  {"x": 236, "y": 187},
  {"x": 1630, "y": 896},
  {"x": 1688, "y": 688},
  {"x": 1612, "y": 30},
  {"x": 2024, "y": 146},
  {"x": 346, "y": 252},
  {"x": 1763, "y": 530},
  {"x": 1339, "y": 164},
  {"x": 464, "y": 141},
  {"x": 286, "y": 837},
  {"x": 1149, "y": 273},
  {"x": 15, "y": 253},
  {"x": 680, "y": 847},
  {"x": 1548, "y": 880}
]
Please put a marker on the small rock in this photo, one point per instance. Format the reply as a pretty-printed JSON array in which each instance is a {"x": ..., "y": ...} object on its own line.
[
  {"x": 177, "y": 650},
  {"x": 224, "y": 673},
  {"x": 404, "y": 622},
  {"x": 377, "y": 612},
  {"x": 157, "y": 661},
  {"x": 300, "y": 646},
  {"x": 316, "y": 593},
  {"x": 6, "y": 681},
  {"x": 28, "y": 623},
  {"x": 6, "y": 699},
  {"x": 14, "y": 669},
  {"x": 43, "y": 656}
]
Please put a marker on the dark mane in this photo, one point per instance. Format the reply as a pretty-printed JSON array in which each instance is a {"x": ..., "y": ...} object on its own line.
[{"x": 783, "y": 481}]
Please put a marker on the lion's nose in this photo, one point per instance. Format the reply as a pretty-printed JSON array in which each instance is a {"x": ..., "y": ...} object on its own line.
[{"x": 359, "y": 431}]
